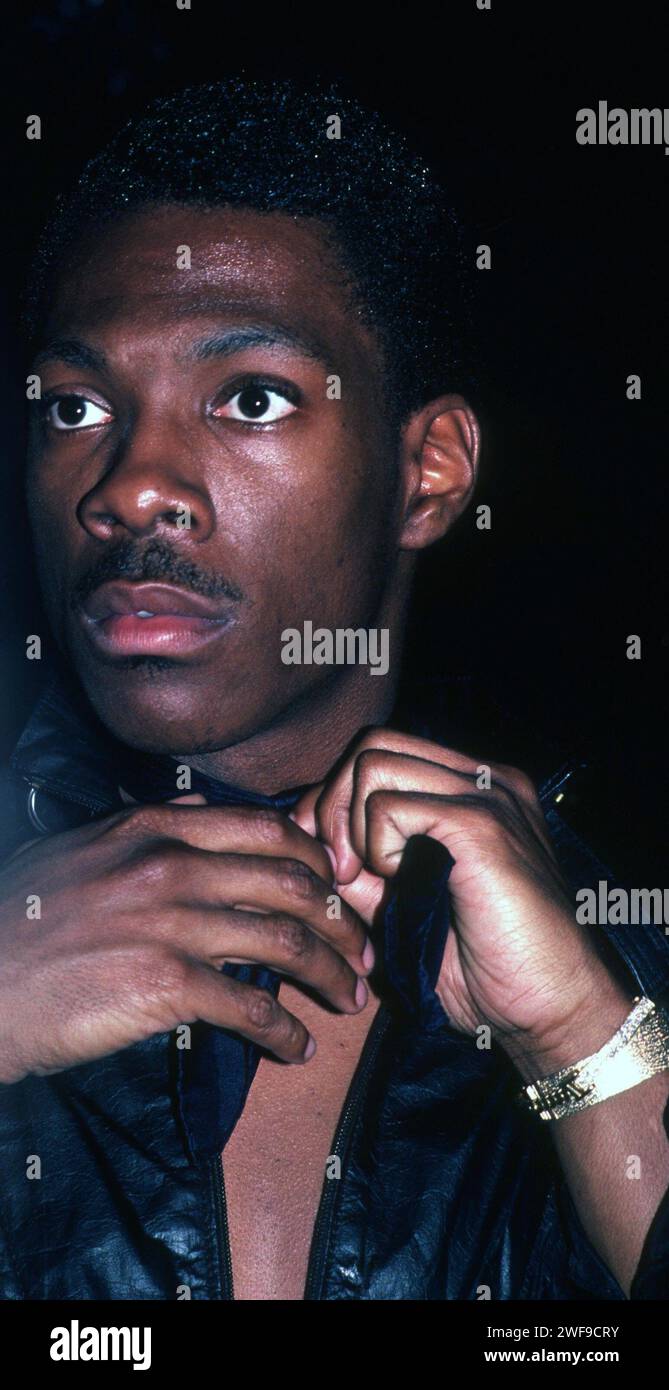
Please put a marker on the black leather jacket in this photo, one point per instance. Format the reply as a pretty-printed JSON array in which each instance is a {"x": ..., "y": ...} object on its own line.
[{"x": 447, "y": 1189}]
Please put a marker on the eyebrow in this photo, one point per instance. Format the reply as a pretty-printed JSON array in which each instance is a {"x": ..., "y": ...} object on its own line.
[
  {"x": 73, "y": 352},
  {"x": 232, "y": 340},
  {"x": 76, "y": 353}
]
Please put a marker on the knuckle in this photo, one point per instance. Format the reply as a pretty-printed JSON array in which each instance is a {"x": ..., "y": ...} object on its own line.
[
  {"x": 143, "y": 820},
  {"x": 375, "y": 738},
  {"x": 298, "y": 879},
  {"x": 123, "y": 826},
  {"x": 294, "y": 938},
  {"x": 162, "y": 862},
  {"x": 158, "y": 859},
  {"x": 521, "y": 784},
  {"x": 366, "y": 761},
  {"x": 528, "y": 787},
  {"x": 379, "y": 804},
  {"x": 171, "y": 973},
  {"x": 261, "y": 1010}
]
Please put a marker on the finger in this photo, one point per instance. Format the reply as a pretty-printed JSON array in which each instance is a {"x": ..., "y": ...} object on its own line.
[
  {"x": 277, "y": 885},
  {"x": 463, "y": 824},
  {"x": 393, "y": 817},
  {"x": 304, "y": 811},
  {"x": 304, "y": 815},
  {"x": 251, "y": 1012},
  {"x": 279, "y": 941},
  {"x": 366, "y": 894},
  {"x": 189, "y": 798},
  {"x": 332, "y": 811},
  {"x": 233, "y": 830},
  {"x": 398, "y": 772},
  {"x": 376, "y": 769},
  {"x": 342, "y": 813}
]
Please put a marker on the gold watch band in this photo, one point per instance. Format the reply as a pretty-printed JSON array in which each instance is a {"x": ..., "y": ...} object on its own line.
[{"x": 638, "y": 1050}]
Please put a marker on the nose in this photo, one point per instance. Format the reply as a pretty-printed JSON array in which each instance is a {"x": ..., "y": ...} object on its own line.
[{"x": 148, "y": 492}]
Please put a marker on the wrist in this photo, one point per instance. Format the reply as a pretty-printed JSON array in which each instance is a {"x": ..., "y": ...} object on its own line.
[{"x": 582, "y": 1028}]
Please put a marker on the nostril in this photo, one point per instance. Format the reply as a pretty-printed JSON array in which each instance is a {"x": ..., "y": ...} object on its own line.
[
  {"x": 179, "y": 516},
  {"x": 104, "y": 520}
]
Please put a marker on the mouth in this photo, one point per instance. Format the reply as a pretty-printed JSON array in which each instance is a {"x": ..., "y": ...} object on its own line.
[{"x": 123, "y": 619}]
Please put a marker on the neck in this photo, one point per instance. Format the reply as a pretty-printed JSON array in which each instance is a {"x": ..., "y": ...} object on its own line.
[{"x": 304, "y": 743}]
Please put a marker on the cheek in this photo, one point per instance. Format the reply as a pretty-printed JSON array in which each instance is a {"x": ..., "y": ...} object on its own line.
[
  {"x": 51, "y": 531},
  {"x": 340, "y": 544},
  {"x": 340, "y": 486},
  {"x": 54, "y": 530},
  {"x": 46, "y": 494},
  {"x": 43, "y": 515},
  {"x": 352, "y": 506},
  {"x": 322, "y": 488}
]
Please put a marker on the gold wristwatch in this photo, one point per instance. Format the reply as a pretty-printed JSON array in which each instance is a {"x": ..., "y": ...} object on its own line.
[{"x": 638, "y": 1050}]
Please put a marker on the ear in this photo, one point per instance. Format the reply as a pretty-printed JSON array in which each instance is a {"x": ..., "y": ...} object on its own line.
[{"x": 439, "y": 459}]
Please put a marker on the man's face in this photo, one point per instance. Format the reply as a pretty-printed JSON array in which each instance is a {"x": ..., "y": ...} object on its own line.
[{"x": 192, "y": 462}]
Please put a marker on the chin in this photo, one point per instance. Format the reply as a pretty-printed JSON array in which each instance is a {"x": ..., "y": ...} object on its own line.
[
  {"x": 149, "y": 704},
  {"x": 155, "y": 716}
]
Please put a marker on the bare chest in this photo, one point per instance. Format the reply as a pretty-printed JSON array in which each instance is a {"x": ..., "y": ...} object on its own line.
[{"x": 275, "y": 1161}]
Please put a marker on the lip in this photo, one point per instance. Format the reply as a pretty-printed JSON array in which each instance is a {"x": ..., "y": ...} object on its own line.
[{"x": 181, "y": 622}]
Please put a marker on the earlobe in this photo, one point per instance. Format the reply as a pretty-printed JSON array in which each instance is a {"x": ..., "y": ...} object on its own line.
[{"x": 440, "y": 460}]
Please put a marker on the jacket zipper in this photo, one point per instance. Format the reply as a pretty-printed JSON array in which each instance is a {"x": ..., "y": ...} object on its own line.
[
  {"x": 325, "y": 1212},
  {"x": 222, "y": 1229},
  {"x": 37, "y": 784}
]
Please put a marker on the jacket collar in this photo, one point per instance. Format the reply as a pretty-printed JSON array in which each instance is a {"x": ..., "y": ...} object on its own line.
[{"x": 66, "y": 752}]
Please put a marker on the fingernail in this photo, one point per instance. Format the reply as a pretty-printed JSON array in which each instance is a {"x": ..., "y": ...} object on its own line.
[
  {"x": 368, "y": 955},
  {"x": 309, "y": 1049},
  {"x": 361, "y": 993}
]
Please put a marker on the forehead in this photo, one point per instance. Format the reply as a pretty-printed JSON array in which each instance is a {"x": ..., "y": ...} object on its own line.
[{"x": 162, "y": 266}]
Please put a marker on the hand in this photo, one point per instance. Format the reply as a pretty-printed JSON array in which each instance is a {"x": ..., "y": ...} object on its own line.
[
  {"x": 515, "y": 957},
  {"x": 139, "y": 909}
]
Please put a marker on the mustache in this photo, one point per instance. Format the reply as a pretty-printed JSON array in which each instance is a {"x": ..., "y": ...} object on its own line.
[{"x": 153, "y": 562}]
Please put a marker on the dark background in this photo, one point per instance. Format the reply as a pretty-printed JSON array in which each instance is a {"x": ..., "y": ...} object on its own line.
[{"x": 538, "y": 610}]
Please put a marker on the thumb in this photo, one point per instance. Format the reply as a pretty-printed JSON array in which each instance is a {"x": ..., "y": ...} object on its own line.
[
  {"x": 304, "y": 810},
  {"x": 304, "y": 815},
  {"x": 365, "y": 894}
]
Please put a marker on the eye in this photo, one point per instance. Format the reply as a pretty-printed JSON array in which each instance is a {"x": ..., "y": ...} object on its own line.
[
  {"x": 75, "y": 413},
  {"x": 256, "y": 403}
]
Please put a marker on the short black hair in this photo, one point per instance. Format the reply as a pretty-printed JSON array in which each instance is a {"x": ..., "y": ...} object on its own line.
[{"x": 264, "y": 145}]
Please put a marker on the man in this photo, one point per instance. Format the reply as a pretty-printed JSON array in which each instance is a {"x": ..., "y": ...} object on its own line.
[{"x": 246, "y": 324}]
